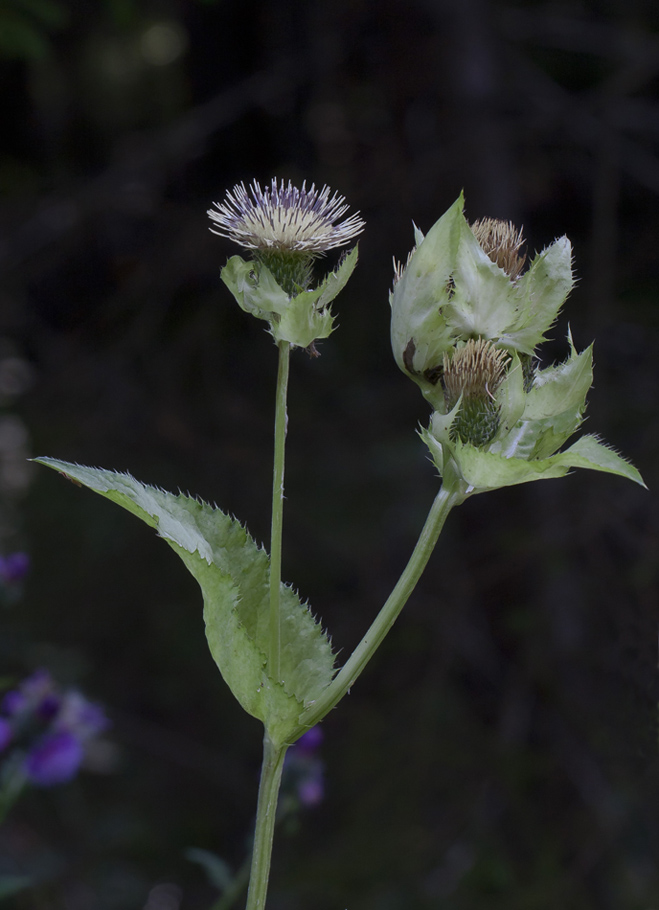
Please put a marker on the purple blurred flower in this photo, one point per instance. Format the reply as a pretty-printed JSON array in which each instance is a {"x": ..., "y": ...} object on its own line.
[
  {"x": 14, "y": 567},
  {"x": 309, "y": 742},
  {"x": 304, "y": 770},
  {"x": 6, "y": 733},
  {"x": 51, "y": 725},
  {"x": 38, "y": 689},
  {"x": 81, "y": 717},
  {"x": 311, "y": 785},
  {"x": 54, "y": 760}
]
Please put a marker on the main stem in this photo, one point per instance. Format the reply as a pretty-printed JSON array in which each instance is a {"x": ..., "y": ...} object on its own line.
[
  {"x": 340, "y": 685},
  {"x": 273, "y": 763},
  {"x": 281, "y": 420}
]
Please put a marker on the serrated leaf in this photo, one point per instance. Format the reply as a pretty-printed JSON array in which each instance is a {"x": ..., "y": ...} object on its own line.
[
  {"x": 542, "y": 291},
  {"x": 254, "y": 288},
  {"x": 307, "y": 316},
  {"x": 233, "y": 573},
  {"x": 553, "y": 410},
  {"x": 302, "y": 323},
  {"x": 484, "y": 470},
  {"x": 419, "y": 332},
  {"x": 589, "y": 452},
  {"x": 484, "y": 303}
]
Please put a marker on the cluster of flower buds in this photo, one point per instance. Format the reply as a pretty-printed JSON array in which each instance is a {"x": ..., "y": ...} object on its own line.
[
  {"x": 467, "y": 320},
  {"x": 285, "y": 229},
  {"x": 45, "y": 731}
]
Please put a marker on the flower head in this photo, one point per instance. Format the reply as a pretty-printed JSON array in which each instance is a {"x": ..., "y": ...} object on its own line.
[
  {"x": 502, "y": 242},
  {"x": 286, "y": 229},
  {"x": 284, "y": 218}
]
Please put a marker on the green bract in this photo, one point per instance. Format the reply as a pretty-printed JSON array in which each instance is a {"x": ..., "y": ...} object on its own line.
[
  {"x": 232, "y": 572},
  {"x": 298, "y": 318},
  {"x": 454, "y": 311}
]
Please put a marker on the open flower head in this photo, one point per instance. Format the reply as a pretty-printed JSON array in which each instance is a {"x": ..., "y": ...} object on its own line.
[
  {"x": 286, "y": 228},
  {"x": 282, "y": 217},
  {"x": 466, "y": 320}
]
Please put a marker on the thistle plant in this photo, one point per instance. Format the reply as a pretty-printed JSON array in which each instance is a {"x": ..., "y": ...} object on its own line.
[{"x": 467, "y": 321}]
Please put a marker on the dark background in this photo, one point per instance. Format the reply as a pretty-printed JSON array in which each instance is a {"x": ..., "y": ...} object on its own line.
[{"x": 500, "y": 751}]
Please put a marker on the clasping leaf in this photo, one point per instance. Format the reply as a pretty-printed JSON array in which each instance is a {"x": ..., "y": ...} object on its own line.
[{"x": 233, "y": 573}]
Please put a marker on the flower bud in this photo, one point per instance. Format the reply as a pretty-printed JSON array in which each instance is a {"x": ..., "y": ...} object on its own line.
[
  {"x": 471, "y": 376},
  {"x": 466, "y": 320}
]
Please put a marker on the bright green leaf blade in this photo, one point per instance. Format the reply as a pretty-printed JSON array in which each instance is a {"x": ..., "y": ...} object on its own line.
[
  {"x": 302, "y": 323},
  {"x": 254, "y": 287},
  {"x": 561, "y": 388},
  {"x": 233, "y": 573},
  {"x": 553, "y": 410},
  {"x": 484, "y": 303},
  {"x": 589, "y": 452},
  {"x": 334, "y": 283},
  {"x": 488, "y": 471},
  {"x": 419, "y": 332},
  {"x": 543, "y": 289}
]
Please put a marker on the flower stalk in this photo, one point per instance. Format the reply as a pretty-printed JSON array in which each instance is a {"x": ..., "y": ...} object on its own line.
[
  {"x": 445, "y": 500},
  {"x": 281, "y": 420}
]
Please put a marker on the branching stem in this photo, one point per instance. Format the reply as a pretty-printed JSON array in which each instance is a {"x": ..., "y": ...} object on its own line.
[{"x": 345, "y": 678}]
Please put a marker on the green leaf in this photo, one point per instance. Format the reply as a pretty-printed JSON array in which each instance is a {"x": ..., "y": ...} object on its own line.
[
  {"x": 254, "y": 287},
  {"x": 233, "y": 573},
  {"x": 333, "y": 284},
  {"x": 484, "y": 470},
  {"x": 419, "y": 331},
  {"x": 553, "y": 409},
  {"x": 302, "y": 323},
  {"x": 484, "y": 303},
  {"x": 590, "y": 452},
  {"x": 307, "y": 316},
  {"x": 542, "y": 291}
]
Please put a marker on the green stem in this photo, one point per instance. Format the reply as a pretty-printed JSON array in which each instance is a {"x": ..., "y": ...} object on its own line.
[
  {"x": 281, "y": 421},
  {"x": 342, "y": 682},
  {"x": 273, "y": 763}
]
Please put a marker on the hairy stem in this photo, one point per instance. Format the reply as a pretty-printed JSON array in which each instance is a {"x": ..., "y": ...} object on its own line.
[
  {"x": 340, "y": 685},
  {"x": 273, "y": 763},
  {"x": 281, "y": 420}
]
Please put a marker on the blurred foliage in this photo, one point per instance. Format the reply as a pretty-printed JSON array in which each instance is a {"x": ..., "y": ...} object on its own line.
[
  {"x": 25, "y": 26},
  {"x": 501, "y": 750}
]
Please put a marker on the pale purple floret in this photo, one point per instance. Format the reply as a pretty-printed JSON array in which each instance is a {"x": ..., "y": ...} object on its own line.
[
  {"x": 54, "y": 760},
  {"x": 284, "y": 217},
  {"x": 14, "y": 567}
]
